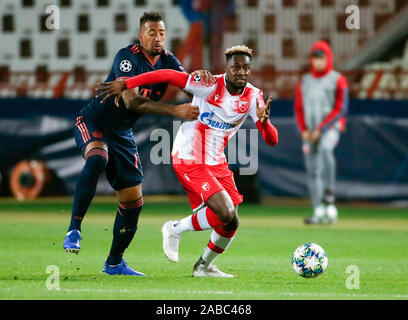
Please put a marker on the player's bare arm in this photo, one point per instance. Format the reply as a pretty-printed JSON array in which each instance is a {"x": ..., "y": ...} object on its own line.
[{"x": 140, "y": 104}]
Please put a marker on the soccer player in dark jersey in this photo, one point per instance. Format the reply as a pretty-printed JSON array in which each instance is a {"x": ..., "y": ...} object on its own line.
[{"x": 103, "y": 133}]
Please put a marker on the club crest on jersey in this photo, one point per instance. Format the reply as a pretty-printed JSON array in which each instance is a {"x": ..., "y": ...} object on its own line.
[
  {"x": 125, "y": 66},
  {"x": 205, "y": 186},
  {"x": 243, "y": 105},
  {"x": 207, "y": 119}
]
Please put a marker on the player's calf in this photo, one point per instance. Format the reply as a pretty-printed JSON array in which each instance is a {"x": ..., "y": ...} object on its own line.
[
  {"x": 124, "y": 229},
  {"x": 96, "y": 161}
]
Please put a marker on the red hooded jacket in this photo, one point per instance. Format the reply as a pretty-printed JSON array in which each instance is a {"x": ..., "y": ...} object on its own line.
[{"x": 342, "y": 87}]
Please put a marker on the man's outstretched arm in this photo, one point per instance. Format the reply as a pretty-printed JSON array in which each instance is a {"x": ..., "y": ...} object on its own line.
[
  {"x": 115, "y": 88},
  {"x": 140, "y": 104},
  {"x": 137, "y": 103}
]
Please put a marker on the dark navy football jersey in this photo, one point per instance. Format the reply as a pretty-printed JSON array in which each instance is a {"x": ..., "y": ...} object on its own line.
[{"x": 130, "y": 62}]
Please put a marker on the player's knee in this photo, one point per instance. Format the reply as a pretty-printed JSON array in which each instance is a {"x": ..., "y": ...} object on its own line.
[
  {"x": 221, "y": 204},
  {"x": 130, "y": 212},
  {"x": 233, "y": 224},
  {"x": 227, "y": 214},
  {"x": 97, "y": 159},
  {"x": 237, "y": 222}
]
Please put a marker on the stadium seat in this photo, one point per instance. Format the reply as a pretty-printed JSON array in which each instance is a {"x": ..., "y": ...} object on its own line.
[{"x": 90, "y": 35}]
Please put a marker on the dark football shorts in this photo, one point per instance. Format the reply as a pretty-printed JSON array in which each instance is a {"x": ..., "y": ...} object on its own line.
[{"x": 124, "y": 168}]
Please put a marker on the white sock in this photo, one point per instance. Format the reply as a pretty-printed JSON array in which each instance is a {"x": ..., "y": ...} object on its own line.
[
  {"x": 183, "y": 225},
  {"x": 203, "y": 219},
  {"x": 219, "y": 242}
]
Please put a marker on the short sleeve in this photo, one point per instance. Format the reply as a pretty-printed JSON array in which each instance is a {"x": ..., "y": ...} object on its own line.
[
  {"x": 197, "y": 88},
  {"x": 123, "y": 64},
  {"x": 252, "y": 112},
  {"x": 174, "y": 63}
]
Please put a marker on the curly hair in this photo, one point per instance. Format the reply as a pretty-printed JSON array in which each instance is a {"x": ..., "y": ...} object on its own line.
[{"x": 238, "y": 50}]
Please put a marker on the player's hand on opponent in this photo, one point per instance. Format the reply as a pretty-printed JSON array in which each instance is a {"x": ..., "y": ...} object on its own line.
[
  {"x": 206, "y": 77},
  {"x": 187, "y": 111},
  {"x": 263, "y": 113},
  {"x": 110, "y": 89}
]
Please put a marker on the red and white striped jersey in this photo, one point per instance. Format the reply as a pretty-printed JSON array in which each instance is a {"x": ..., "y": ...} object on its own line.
[{"x": 221, "y": 115}]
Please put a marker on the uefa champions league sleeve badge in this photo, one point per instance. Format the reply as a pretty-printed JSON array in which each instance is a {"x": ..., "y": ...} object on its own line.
[{"x": 125, "y": 66}]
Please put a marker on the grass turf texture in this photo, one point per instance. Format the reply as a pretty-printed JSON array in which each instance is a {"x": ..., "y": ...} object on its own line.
[{"x": 373, "y": 239}]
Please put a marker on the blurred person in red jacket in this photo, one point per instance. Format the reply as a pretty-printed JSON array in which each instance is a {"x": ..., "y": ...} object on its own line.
[{"x": 321, "y": 104}]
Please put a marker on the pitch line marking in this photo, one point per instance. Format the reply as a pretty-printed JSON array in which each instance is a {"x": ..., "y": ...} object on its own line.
[
  {"x": 292, "y": 294},
  {"x": 150, "y": 290}
]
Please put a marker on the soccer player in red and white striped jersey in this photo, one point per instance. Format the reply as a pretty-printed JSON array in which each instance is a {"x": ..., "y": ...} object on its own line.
[{"x": 198, "y": 151}]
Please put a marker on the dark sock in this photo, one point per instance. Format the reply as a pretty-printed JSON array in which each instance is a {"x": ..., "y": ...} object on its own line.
[
  {"x": 124, "y": 229},
  {"x": 95, "y": 164}
]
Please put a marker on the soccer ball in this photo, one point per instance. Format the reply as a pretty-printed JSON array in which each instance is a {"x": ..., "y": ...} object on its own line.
[{"x": 309, "y": 260}]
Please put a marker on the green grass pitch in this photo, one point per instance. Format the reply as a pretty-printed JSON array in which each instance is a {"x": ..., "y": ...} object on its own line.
[{"x": 374, "y": 239}]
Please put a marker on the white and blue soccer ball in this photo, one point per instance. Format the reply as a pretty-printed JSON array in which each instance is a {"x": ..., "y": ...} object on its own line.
[{"x": 309, "y": 260}]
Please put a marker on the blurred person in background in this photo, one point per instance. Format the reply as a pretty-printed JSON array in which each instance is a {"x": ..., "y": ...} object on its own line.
[{"x": 320, "y": 106}]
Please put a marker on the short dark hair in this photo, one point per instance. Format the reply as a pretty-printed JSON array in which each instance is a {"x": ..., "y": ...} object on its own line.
[
  {"x": 155, "y": 16},
  {"x": 230, "y": 52}
]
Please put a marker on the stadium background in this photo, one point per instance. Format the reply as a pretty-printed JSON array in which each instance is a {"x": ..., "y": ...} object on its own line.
[{"x": 46, "y": 76}]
